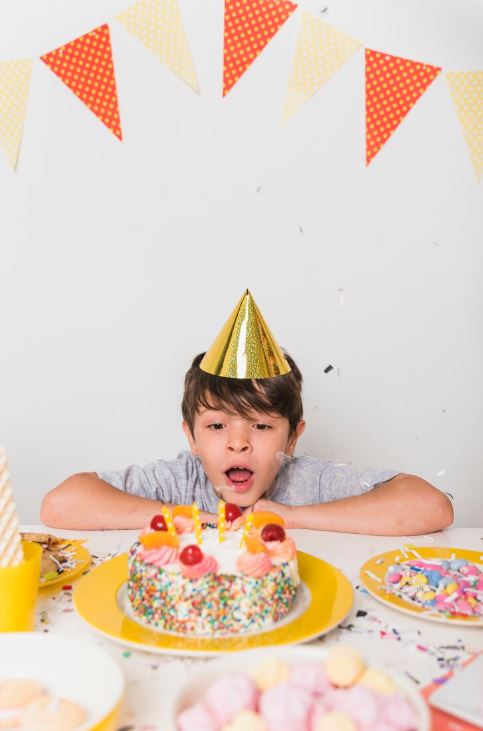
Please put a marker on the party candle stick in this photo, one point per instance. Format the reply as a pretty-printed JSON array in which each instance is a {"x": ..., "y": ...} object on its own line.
[
  {"x": 221, "y": 521},
  {"x": 195, "y": 513},
  {"x": 11, "y": 551},
  {"x": 247, "y": 526},
  {"x": 168, "y": 519}
]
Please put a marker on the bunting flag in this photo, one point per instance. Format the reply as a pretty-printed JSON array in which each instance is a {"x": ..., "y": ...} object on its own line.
[
  {"x": 85, "y": 65},
  {"x": 249, "y": 26},
  {"x": 159, "y": 27},
  {"x": 393, "y": 86},
  {"x": 466, "y": 88},
  {"x": 14, "y": 90},
  {"x": 321, "y": 50}
]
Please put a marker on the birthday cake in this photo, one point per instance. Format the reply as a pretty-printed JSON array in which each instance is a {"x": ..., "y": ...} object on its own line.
[{"x": 238, "y": 576}]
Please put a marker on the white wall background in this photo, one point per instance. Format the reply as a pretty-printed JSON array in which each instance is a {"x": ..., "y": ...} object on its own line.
[{"x": 120, "y": 261}]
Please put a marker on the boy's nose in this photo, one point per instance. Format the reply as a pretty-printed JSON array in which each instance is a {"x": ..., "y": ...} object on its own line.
[{"x": 238, "y": 442}]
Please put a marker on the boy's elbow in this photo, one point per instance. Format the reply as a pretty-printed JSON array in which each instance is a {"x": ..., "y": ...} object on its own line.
[
  {"x": 446, "y": 511},
  {"x": 51, "y": 508},
  {"x": 57, "y": 503}
]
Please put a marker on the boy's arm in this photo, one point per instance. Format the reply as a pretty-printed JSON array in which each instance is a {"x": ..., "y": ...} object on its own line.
[
  {"x": 85, "y": 502},
  {"x": 405, "y": 505}
]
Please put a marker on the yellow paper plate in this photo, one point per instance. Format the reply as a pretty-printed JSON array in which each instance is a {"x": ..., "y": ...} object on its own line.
[
  {"x": 329, "y": 600},
  {"x": 68, "y": 668},
  {"x": 83, "y": 558},
  {"x": 378, "y": 565}
]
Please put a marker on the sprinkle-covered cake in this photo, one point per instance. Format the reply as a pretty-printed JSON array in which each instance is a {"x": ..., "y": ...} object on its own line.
[{"x": 238, "y": 576}]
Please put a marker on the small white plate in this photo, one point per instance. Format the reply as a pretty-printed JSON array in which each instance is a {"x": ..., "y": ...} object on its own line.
[
  {"x": 67, "y": 668},
  {"x": 193, "y": 690}
]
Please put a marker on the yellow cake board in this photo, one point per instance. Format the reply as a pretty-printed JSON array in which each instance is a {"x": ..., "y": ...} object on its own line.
[{"x": 95, "y": 600}]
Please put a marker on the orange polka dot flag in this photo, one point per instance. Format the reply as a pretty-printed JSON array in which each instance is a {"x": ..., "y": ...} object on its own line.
[
  {"x": 249, "y": 26},
  {"x": 85, "y": 65},
  {"x": 393, "y": 86}
]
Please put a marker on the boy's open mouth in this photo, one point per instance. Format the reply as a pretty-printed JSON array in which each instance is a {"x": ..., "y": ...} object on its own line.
[{"x": 239, "y": 478}]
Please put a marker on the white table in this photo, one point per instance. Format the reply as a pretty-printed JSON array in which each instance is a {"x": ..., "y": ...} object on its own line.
[{"x": 420, "y": 649}]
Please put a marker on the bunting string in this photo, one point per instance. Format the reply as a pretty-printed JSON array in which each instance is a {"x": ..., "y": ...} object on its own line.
[{"x": 393, "y": 85}]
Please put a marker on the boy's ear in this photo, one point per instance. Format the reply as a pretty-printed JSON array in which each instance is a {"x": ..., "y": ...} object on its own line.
[
  {"x": 190, "y": 438},
  {"x": 293, "y": 439}
]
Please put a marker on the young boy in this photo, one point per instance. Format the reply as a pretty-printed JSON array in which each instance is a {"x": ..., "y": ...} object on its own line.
[{"x": 242, "y": 433}]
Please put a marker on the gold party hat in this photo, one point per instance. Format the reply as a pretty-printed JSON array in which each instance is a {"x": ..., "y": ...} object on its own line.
[{"x": 245, "y": 347}]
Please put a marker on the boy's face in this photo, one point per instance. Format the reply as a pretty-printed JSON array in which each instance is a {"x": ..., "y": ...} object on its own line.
[{"x": 241, "y": 456}]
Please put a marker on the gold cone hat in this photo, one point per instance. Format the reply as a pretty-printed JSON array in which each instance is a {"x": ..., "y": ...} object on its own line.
[{"x": 245, "y": 347}]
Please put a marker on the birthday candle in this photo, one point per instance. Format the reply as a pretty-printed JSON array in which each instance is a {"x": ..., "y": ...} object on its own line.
[
  {"x": 247, "y": 525},
  {"x": 221, "y": 521},
  {"x": 196, "y": 523},
  {"x": 166, "y": 513},
  {"x": 11, "y": 552}
]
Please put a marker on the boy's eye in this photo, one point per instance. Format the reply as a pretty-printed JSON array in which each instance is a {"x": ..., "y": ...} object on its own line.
[
  {"x": 215, "y": 427},
  {"x": 262, "y": 427}
]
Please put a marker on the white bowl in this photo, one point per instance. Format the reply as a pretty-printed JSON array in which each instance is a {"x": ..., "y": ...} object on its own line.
[
  {"x": 193, "y": 689},
  {"x": 69, "y": 668}
]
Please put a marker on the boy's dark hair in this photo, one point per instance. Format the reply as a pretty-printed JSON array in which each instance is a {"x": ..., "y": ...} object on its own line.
[{"x": 280, "y": 395}]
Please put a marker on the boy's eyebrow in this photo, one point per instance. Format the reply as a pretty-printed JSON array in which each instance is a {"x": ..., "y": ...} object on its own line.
[{"x": 253, "y": 416}]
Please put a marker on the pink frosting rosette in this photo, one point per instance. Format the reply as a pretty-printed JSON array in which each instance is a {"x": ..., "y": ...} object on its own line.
[
  {"x": 159, "y": 556},
  {"x": 283, "y": 550},
  {"x": 254, "y": 564},
  {"x": 207, "y": 565}
]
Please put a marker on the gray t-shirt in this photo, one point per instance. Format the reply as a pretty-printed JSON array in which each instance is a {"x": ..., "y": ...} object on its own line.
[{"x": 300, "y": 481}]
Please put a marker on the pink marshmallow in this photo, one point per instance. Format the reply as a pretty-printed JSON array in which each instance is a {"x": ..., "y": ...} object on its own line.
[
  {"x": 197, "y": 718},
  {"x": 361, "y": 705},
  {"x": 318, "y": 710},
  {"x": 469, "y": 570},
  {"x": 395, "y": 578},
  {"x": 286, "y": 707},
  {"x": 397, "y": 711},
  {"x": 312, "y": 677},
  {"x": 230, "y": 695}
]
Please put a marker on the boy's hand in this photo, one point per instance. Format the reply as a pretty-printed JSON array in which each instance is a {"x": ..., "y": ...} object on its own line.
[{"x": 270, "y": 506}]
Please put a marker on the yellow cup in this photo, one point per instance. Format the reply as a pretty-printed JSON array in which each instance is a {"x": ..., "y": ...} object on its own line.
[{"x": 19, "y": 586}]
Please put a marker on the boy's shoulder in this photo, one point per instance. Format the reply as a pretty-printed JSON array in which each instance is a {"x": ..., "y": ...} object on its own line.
[
  {"x": 306, "y": 480},
  {"x": 298, "y": 480}
]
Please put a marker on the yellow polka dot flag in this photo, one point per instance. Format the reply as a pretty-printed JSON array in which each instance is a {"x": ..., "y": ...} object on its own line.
[
  {"x": 249, "y": 26},
  {"x": 85, "y": 65},
  {"x": 320, "y": 51},
  {"x": 393, "y": 86},
  {"x": 159, "y": 27},
  {"x": 466, "y": 88},
  {"x": 14, "y": 90}
]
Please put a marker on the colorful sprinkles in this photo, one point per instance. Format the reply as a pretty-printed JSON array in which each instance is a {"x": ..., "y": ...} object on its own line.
[
  {"x": 220, "y": 603},
  {"x": 448, "y": 587}
]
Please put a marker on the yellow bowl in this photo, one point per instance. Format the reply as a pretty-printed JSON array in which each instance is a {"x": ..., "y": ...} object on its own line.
[{"x": 68, "y": 668}]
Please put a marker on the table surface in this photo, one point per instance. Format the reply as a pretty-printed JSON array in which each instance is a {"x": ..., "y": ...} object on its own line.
[{"x": 420, "y": 649}]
